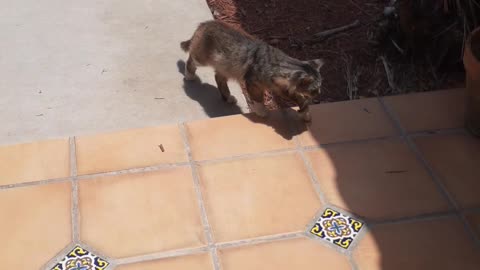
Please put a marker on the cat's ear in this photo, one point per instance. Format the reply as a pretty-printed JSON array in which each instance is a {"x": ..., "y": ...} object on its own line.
[{"x": 317, "y": 63}]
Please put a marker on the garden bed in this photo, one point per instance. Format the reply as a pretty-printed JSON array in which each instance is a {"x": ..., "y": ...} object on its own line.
[{"x": 354, "y": 66}]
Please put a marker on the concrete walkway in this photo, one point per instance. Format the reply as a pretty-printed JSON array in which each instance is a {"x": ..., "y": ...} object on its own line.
[{"x": 73, "y": 68}]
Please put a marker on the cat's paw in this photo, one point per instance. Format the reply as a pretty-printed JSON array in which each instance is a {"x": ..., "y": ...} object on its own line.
[
  {"x": 232, "y": 100},
  {"x": 259, "y": 109}
]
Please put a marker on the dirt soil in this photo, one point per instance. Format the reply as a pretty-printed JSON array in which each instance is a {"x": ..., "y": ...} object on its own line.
[{"x": 354, "y": 69}]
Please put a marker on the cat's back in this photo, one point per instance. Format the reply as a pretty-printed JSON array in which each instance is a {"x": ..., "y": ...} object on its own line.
[
  {"x": 227, "y": 49},
  {"x": 224, "y": 31}
]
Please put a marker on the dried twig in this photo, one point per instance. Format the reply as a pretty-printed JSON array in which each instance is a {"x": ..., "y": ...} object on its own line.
[
  {"x": 402, "y": 51},
  {"x": 391, "y": 83},
  {"x": 351, "y": 76},
  {"x": 260, "y": 30},
  {"x": 360, "y": 8},
  {"x": 327, "y": 33},
  {"x": 445, "y": 30}
]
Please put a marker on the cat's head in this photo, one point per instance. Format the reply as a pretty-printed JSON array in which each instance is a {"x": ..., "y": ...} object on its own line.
[{"x": 304, "y": 79}]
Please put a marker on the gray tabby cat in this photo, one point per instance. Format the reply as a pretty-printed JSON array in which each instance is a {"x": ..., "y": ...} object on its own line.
[{"x": 235, "y": 54}]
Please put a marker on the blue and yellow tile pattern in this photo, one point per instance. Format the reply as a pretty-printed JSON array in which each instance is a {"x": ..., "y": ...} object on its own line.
[
  {"x": 337, "y": 228},
  {"x": 81, "y": 259}
]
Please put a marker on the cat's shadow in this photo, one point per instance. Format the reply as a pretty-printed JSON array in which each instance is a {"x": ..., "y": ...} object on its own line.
[{"x": 209, "y": 98}]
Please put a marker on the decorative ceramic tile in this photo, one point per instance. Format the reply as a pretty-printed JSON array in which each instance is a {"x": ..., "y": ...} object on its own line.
[
  {"x": 81, "y": 259},
  {"x": 337, "y": 228}
]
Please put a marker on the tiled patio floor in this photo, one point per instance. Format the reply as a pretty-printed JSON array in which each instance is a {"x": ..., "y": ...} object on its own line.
[{"x": 391, "y": 183}]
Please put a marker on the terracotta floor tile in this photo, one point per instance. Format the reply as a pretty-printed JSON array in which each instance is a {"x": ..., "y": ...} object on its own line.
[
  {"x": 347, "y": 121},
  {"x": 151, "y": 212},
  {"x": 376, "y": 180},
  {"x": 258, "y": 197},
  {"x": 283, "y": 255},
  {"x": 238, "y": 135},
  {"x": 439, "y": 244},
  {"x": 36, "y": 224},
  {"x": 34, "y": 161},
  {"x": 430, "y": 110},
  {"x": 193, "y": 262},
  {"x": 474, "y": 221},
  {"x": 129, "y": 149},
  {"x": 456, "y": 160}
]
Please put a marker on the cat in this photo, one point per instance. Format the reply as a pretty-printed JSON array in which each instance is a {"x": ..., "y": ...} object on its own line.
[{"x": 234, "y": 54}]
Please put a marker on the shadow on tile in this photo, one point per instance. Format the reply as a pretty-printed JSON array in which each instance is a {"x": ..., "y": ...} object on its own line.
[
  {"x": 209, "y": 98},
  {"x": 377, "y": 181},
  {"x": 277, "y": 120}
]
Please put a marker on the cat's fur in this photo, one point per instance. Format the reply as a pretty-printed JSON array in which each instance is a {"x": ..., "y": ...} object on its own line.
[{"x": 235, "y": 54}]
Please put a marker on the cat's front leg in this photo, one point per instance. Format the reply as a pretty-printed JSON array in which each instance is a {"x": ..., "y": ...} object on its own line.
[
  {"x": 257, "y": 95},
  {"x": 305, "y": 115},
  {"x": 304, "y": 107}
]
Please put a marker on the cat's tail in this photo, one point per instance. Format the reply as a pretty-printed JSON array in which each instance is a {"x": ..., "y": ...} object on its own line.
[{"x": 185, "y": 45}]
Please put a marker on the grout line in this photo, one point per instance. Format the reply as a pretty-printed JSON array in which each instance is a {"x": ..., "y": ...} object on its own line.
[
  {"x": 274, "y": 238},
  {"x": 134, "y": 170},
  {"x": 312, "y": 148},
  {"x": 475, "y": 210},
  {"x": 202, "y": 162},
  {"x": 313, "y": 178},
  {"x": 423, "y": 217},
  {"x": 215, "y": 258},
  {"x": 58, "y": 257},
  {"x": 161, "y": 255},
  {"x": 212, "y": 161},
  {"x": 73, "y": 157},
  {"x": 73, "y": 174},
  {"x": 246, "y": 156},
  {"x": 306, "y": 162},
  {"x": 260, "y": 240},
  {"x": 448, "y": 131},
  {"x": 440, "y": 186},
  {"x": 469, "y": 229},
  {"x": 352, "y": 261},
  {"x": 436, "y": 178},
  {"x": 35, "y": 183},
  {"x": 196, "y": 181},
  {"x": 193, "y": 251},
  {"x": 311, "y": 174},
  {"x": 294, "y": 149},
  {"x": 184, "y": 164}
]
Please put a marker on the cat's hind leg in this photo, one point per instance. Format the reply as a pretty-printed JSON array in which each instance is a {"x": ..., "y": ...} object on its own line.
[{"x": 190, "y": 69}]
